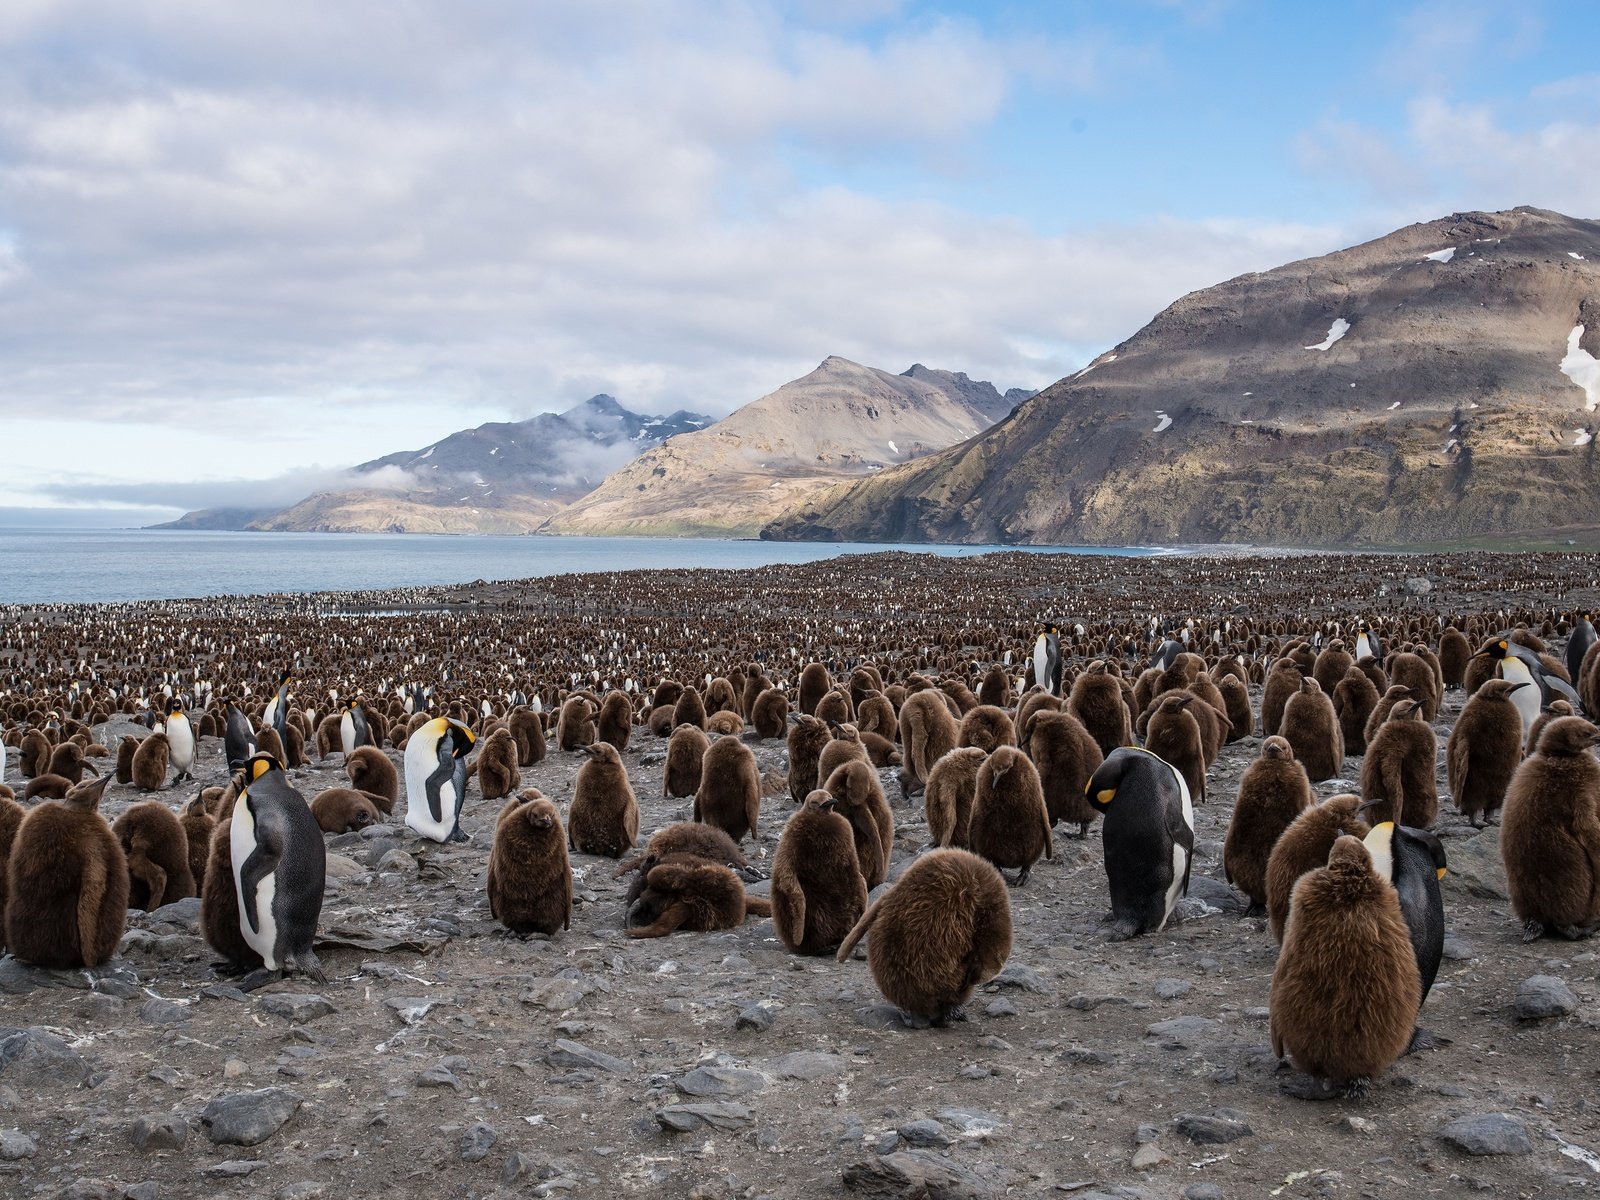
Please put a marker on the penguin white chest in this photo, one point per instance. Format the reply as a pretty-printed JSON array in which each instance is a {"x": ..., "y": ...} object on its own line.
[
  {"x": 1363, "y": 647},
  {"x": 1526, "y": 699},
  {"x": 1041, "y": 663},
  {"x": 180, "y": 741},
  {"x": 422, "y": 761},
  {"x": 347, "y": 733},
  {"x": 262, "y": 937}
]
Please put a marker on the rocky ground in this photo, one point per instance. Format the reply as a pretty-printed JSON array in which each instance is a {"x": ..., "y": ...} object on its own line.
[{"x": 448, "y": 1058}]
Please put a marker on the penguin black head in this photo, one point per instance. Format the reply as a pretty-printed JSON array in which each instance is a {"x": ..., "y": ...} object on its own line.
[
  {"x": 1427, "y": 841},
  {"x": 1101, "y": 789},
  {"x": 462, "y": 743},
  {"x": 256, "y": 768},
  {"x": 174, "y": 706}
]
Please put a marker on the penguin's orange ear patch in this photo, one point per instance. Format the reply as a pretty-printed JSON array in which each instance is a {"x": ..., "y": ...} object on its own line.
[{"x": 259, "y": 768}]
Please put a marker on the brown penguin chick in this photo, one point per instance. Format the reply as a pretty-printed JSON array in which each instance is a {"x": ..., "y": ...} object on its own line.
[
  {"x": 864, "y": 680},
  {"x": 947, "y": 798},
  {"x": 720, "y": 698},
  {"x": 1484, "y": 750},
  {"x": 530, "y": 879},
  {"x": 1208, "y": 715},
  {"x": 755, "y": 683},
  {"x": 875, "y": 714},
  {"x": 1396, "y": 694},
  {"x": 725, "y": 723},
  {"x": 615, "y": 723},
  {"x": 1066, "y": 756},
  {"x": 691, "y": 894},
  {"x": 769, "y": 715},
  {"x": 67, "y": 891},
  {"x": 11, "y": 815},
  {"x": 1550, "y": 833},
  {"x": 881, "y": 752},
  {"x": 219, "y": 905},
  {"x": 294, "y": 753},
  {"x": 835, "y": 707},
  {"x": 1283, "y": 681},
  {"x": 1480, "y": 669},
  {"x": 371, "y": 771},
  {"x": 1428, "y": 656},
  {"x": 344, "y": 810},
  {"x": 729, "y": 795},
  {"x": 575, "y": 727},
  {"x": 939, "y": 933},
  {"x": 859, "y": 799},
  {"x": 1310, "y": 726},
  {"x": 963, "y": 697},
  {"x": 604, "y": 817},
  {"x": 995, "y": 688},
  {"x": 686, "y": 750},
  {"x": 807, "y": 738},
  {"x": 928, "y": 732},
  {"x": 1354, "y": 698},
  {"x": 150, "y": 763},
  {"x": 1174, "y": 737},
  {"x": 6, "y": 794},
  {"x": 34, "y": 758},
  {"x": 328, "y": 738},
  {"x": 527, "y": 727},
  {"x": 845, "y": 746},
  {"x": 1371, "y": 668},
  {"x": 1345, "y": 991},
  {"x": 1588, "y": 681},
  {"x": 268, "y": 742},
  {"x": 1553, "y": 711},
  {"x": 47, "y": 787},
  {"x": 818, "y": 893},
  {"x": 498, "y": 773},
  {"x": 659, "y": 722},
  {"x": 67, "y": 761},
  {"x": 1236, "y": 704},
  {"x": 987, "y": 728},
  {"x": 1455, "y": 652},
  {"x": 1398, "y": 772},
  {"x": 1304, "y": 846},
  {"x": 666, "y": 694},
  {"x": 692, "y": 839},
  {"x": 126, "y": 749},
  {"x": 1010, "y": 825},
  {"x": 690, "y": 709},
  {"x": 156, "y": 850},
  {"x": 815, "y": 683},
  {"x": 1038, "y": 700},
  {"x": 198, "y": 827},
  {"x": 1332, "y": 663},
  {"x": 218, "y": 801},
  {"x": 1144, "y": 689},
  {"x": 1272, "y": 793},
  {"x": 1414, "y": 672}
]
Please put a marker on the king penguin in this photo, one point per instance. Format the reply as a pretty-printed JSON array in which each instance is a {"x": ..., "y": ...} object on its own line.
[
  {"x": 1368, "y": 645},
  {"x": 277, "y": 711},
  {"x": 1047, "y": 658},
  {"x": 1148, "y": 837},
  {"x": 279, "y": 868},
  {"x": 353, "y": 731},
  {"x": 1413, "y": 862},
  {"x": 1583, "y": 636},
  {"x": 180, "y": 741},
  {"x": 238, "y": 739},
  {"x": 1521, "y": 665},
  {"x": 436, "y": 779}
]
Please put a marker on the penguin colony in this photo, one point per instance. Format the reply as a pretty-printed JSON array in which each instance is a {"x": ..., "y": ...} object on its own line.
[{"x": 1022, "y": 763}]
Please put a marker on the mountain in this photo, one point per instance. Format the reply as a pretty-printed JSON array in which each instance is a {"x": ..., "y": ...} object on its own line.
[
  {"x": 841, "y": 421},
  {"x": 504, "y": 477},
  {"x": 1439, "y": 384},
  {"x": 217, "y": 518}
]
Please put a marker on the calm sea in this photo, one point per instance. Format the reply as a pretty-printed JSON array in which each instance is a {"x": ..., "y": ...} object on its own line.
[{"x": 44, "y": 566}]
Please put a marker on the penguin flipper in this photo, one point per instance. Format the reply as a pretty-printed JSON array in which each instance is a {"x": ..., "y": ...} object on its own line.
[
  {"x": 261, "y": 862},
  {"x": 91, "y": 891},
  {"x": 788, "y": 907}
]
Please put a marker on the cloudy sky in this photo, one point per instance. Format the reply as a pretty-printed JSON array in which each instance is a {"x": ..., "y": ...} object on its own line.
[{"x": 243, "y": 246}]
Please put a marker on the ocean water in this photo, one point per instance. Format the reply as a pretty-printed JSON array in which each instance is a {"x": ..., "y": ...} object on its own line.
[{"x": 40, "y": 566}]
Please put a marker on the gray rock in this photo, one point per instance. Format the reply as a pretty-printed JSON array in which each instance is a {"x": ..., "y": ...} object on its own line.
[
  {"x": 233, "y": 1168},
  {"x": 185, "y": 914},
  {"x": 685, "y": 1118},
  {"x": 410, "y": 1009},
  {"x": 1202, "y": 1191},
  {"x": 1018, "y": 975},
  {"x": 477, "y": 1141},
  {"x": 810, "y": 1065},
  {"x": 565, "y": 1053},
  {"x": 1541, "y": 996},
  {"x": 721, "y": 1082},
  {"x": 883, "y": 1016},
  {"x": 306, "y": 1189},
  {"x": 917, "y": 1173},
  {"x": 37, "y": 1058},
  {"x": 516, "y": 1166},
  {"x": 972, "y": 1122},
  {"x": 16, "y": 1145},
  {"x": 397, "y": 860},
  {"x": 1172, "y": 989},
  {"x": 1476, "y": 865},
  {"x": 1215, "y": 1129},
  {"x": 1417, "y": 585},
  {"x": 148, "y": 1190},
  {"x": 248, "y": 1118},
  {"x": 1182, "y": 1033},
  {"x": 926, "y": 1134},
  {"x": 164, "y": 1131},
  {"x": 163, "y": 1012},
  {"x": 1457, "y": 950},
  {"x": 295, "y": 1007},
  {"x": 1488, "y": 1134},
  {"x": 755, "y": 1016},
  {"x": 1000, "y": 1007},
  {"x": 438, "y": 1076}
]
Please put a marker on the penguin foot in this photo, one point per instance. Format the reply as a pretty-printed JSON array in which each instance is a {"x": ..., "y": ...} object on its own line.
[
  {"x": 1022, "y": 876},
  {"x": 950, "y": 1015},
  {"x": 1423, "y": 1039},
  {"x": 306, "y": 960},
  {"x": 1256, "y": 909},
  {"x": 1121, "y": 932},
  {"x": 750, "y": 874},
  {"x": 1083, "y": 832},
  {"x": 1532, "y": 931},
  {"x": 258, "y": 978},
  {"x": 457, "y": 836},
  {"x": 1356, "y": 1089},
  {"x": 1576, "y": 933}
]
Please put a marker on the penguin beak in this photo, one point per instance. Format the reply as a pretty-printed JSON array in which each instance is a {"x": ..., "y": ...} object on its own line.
[
  {"x": 1439, "y": 874},
  {"x": 1520, "y": 686}
]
